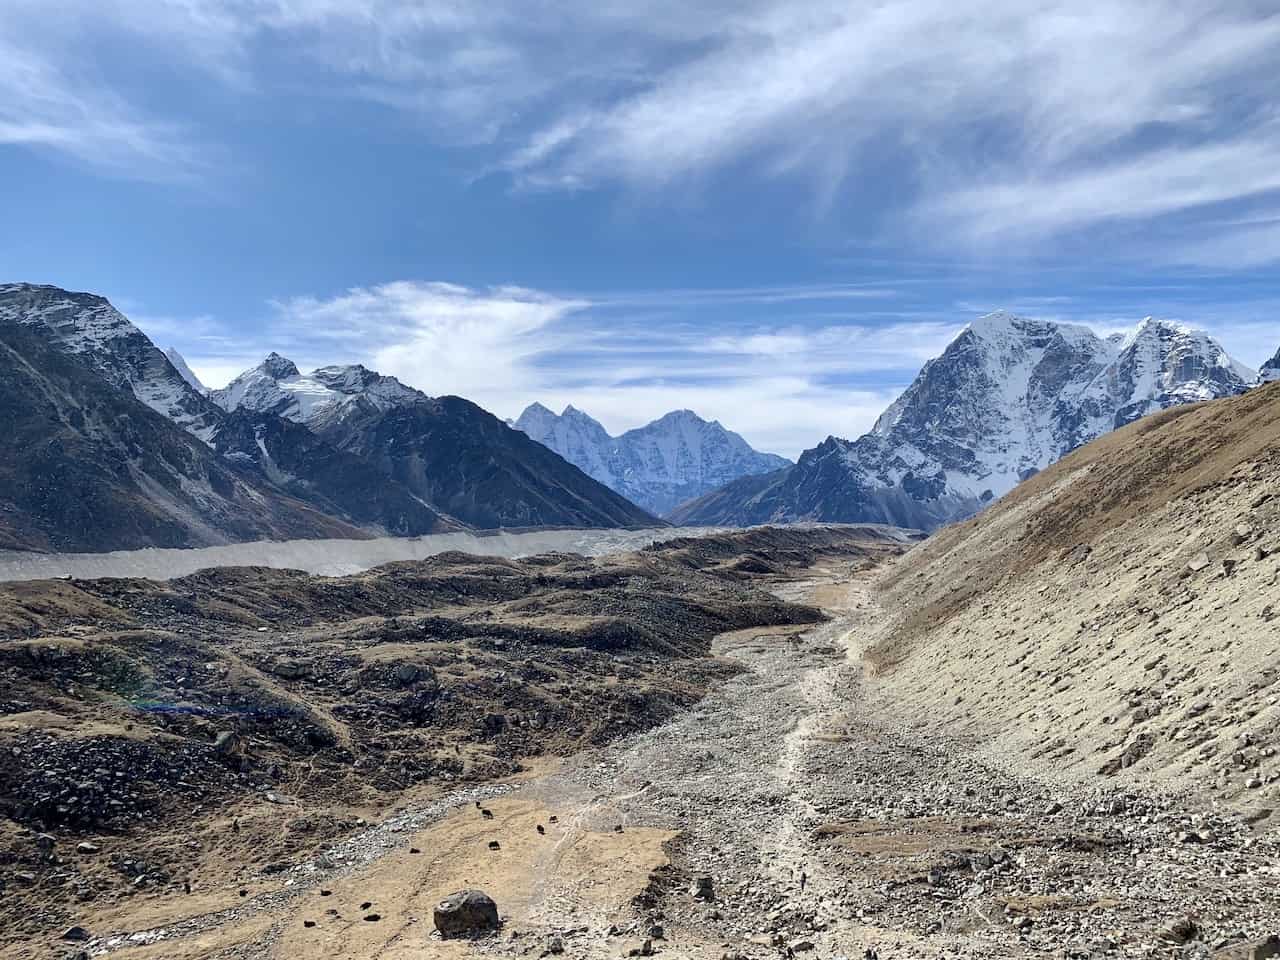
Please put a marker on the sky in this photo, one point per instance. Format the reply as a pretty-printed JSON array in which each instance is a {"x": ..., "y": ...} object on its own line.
[{"x": 769, "y": 211}]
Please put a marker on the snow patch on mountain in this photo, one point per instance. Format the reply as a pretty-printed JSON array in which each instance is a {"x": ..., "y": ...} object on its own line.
[
  {"x": 187, "y": 374},
  {"x": 90, "y": 327},
  {"x": 676, "y": 458},
  {"x": 328, "y": 393}
]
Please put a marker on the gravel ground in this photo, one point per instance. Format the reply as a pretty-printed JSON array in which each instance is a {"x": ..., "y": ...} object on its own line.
[
  {"x": 826, "y": 832},
  {"x": 823, "y": 830}
]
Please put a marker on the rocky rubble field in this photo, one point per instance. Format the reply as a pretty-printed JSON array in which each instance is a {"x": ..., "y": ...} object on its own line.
[
  {"x": 810, "y": 824},
  {"x": 157, "y": 739}
]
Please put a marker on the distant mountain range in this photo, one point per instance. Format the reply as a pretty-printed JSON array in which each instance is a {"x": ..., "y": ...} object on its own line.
[
  {"x": 1008, "y": 397},
  {"x": 658, "y": 466},
  {"x": 115, "y": 445}
]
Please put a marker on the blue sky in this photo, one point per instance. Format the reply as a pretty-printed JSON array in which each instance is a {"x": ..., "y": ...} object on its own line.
[{"x": 770, "y": 211}]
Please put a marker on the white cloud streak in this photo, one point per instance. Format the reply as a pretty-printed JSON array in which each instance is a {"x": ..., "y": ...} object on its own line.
[
  {"x": 783, "y": 388},
  {"x": 1011, "y": 121}
]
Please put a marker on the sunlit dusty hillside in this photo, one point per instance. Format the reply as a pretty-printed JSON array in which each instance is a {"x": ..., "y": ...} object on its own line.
[{"x": 1118, "y": 616}]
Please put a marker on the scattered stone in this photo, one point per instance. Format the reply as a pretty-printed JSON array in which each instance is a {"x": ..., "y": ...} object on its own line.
[
  {"x": 637, "y": 948},
  {"x": 703, "y": 889},
  {"x": 76, "y": 935},
  {"x": 84, "y": 846},
  {"x": 465, "y": 913},
  {"x": 1182, "y": 931}
]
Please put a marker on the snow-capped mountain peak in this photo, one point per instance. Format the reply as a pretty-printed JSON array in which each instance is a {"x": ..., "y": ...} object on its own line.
[
  {"x": 658, "y": 466},
  {"x": 1008, "y": 396},
  {"x": 278, "y": 367},
  {"x": 277, "y": 386},
  {"x": 187, "y": 374},
  {"x": 89, "y": 327}
]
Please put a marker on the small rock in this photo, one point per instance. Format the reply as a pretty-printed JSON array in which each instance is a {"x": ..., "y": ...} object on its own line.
[
  {"x": 465, "y": 913},
  {"x": 637, "y": 948},
  {"x": 76, "y": 935},
  {"x": 1183, "y": 931},
  {"x": 84, "y": 846}
]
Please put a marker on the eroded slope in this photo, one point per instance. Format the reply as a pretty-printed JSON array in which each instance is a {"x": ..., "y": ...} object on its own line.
[{"x": 1115, "y": 616}]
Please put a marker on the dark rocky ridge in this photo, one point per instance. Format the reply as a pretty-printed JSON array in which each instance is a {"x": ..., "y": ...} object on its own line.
[
  {"x": 88, "y": 467},
  {"x": 472, "y": 466},
  {"x": 337, "y": 482}
]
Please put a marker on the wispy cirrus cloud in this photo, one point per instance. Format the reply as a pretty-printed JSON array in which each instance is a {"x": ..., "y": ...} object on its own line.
[
  {"x": 785, "y": 388},
  {"x": 930, "y": 122}
]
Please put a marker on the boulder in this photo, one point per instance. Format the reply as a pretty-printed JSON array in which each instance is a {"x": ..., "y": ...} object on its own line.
[{"x": 466, "y": 913}]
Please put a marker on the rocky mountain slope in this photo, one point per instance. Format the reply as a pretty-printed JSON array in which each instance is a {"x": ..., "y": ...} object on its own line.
[
  {"x": 180, "y": 364},
  {"x": 89, "y": 467},
  {"x": 1270, "y": 370},
  {"x": 88, "y": 327},
  {"x": 1115, "y": 618},
  {"x": 1008, "y": 397},
  {"x": 446, "y": 451},
  {"x": 676, "y": 458},
  {"x": 292, "y": 457},
  {"x": 334, "y": 481}
]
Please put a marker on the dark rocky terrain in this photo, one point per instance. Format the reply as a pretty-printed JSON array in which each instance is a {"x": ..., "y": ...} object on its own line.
[
  {"x": 158, "y": 736},
  {"x": 87, "y": 466},
  {"x": 472, "y": 466},
  {"x": 332, "y": 480}
]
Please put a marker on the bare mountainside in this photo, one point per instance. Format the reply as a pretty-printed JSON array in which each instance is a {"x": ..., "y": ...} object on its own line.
[
  {"x": 1117, "y": 617},
  {"x": 163, "y": 743}
]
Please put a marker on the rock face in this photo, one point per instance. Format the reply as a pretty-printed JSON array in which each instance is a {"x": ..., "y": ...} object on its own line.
[
  {"x": 91, "y": 329},
  {"x": 335, "y": 481},
  {"x": 658, "y": 466},
  {"x": 1008, "y": 397},
  {"x": 1270, "y": 370},
  {"x": 447, "y": 452},
  {"x": 466, "y": 913},
  {"x": 87, "y": 466},
  {"x": 187, "y": 374}
]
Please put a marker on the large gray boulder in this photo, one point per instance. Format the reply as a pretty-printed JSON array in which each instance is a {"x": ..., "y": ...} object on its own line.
[{"x": 465, "y": 914}]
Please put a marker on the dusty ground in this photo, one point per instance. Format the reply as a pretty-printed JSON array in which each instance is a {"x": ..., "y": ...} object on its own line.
[
  {"x": 1116, "y": 617},
  {"x": 827, "y": 830}
]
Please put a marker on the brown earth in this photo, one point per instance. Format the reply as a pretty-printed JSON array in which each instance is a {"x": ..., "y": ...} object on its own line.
[
  {"x": 1115, "y": 617},
  {"x": 167, "y": 745}
]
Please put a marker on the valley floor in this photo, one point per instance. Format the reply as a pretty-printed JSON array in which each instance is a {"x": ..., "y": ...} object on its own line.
[{"x": 826, "y": 831}]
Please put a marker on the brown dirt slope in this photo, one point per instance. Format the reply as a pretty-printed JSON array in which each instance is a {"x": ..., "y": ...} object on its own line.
[{"x": 1117, "y": 616}]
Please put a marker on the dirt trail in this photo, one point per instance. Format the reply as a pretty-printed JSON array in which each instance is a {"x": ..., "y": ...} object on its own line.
[{"x": 826, "y": 831}]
